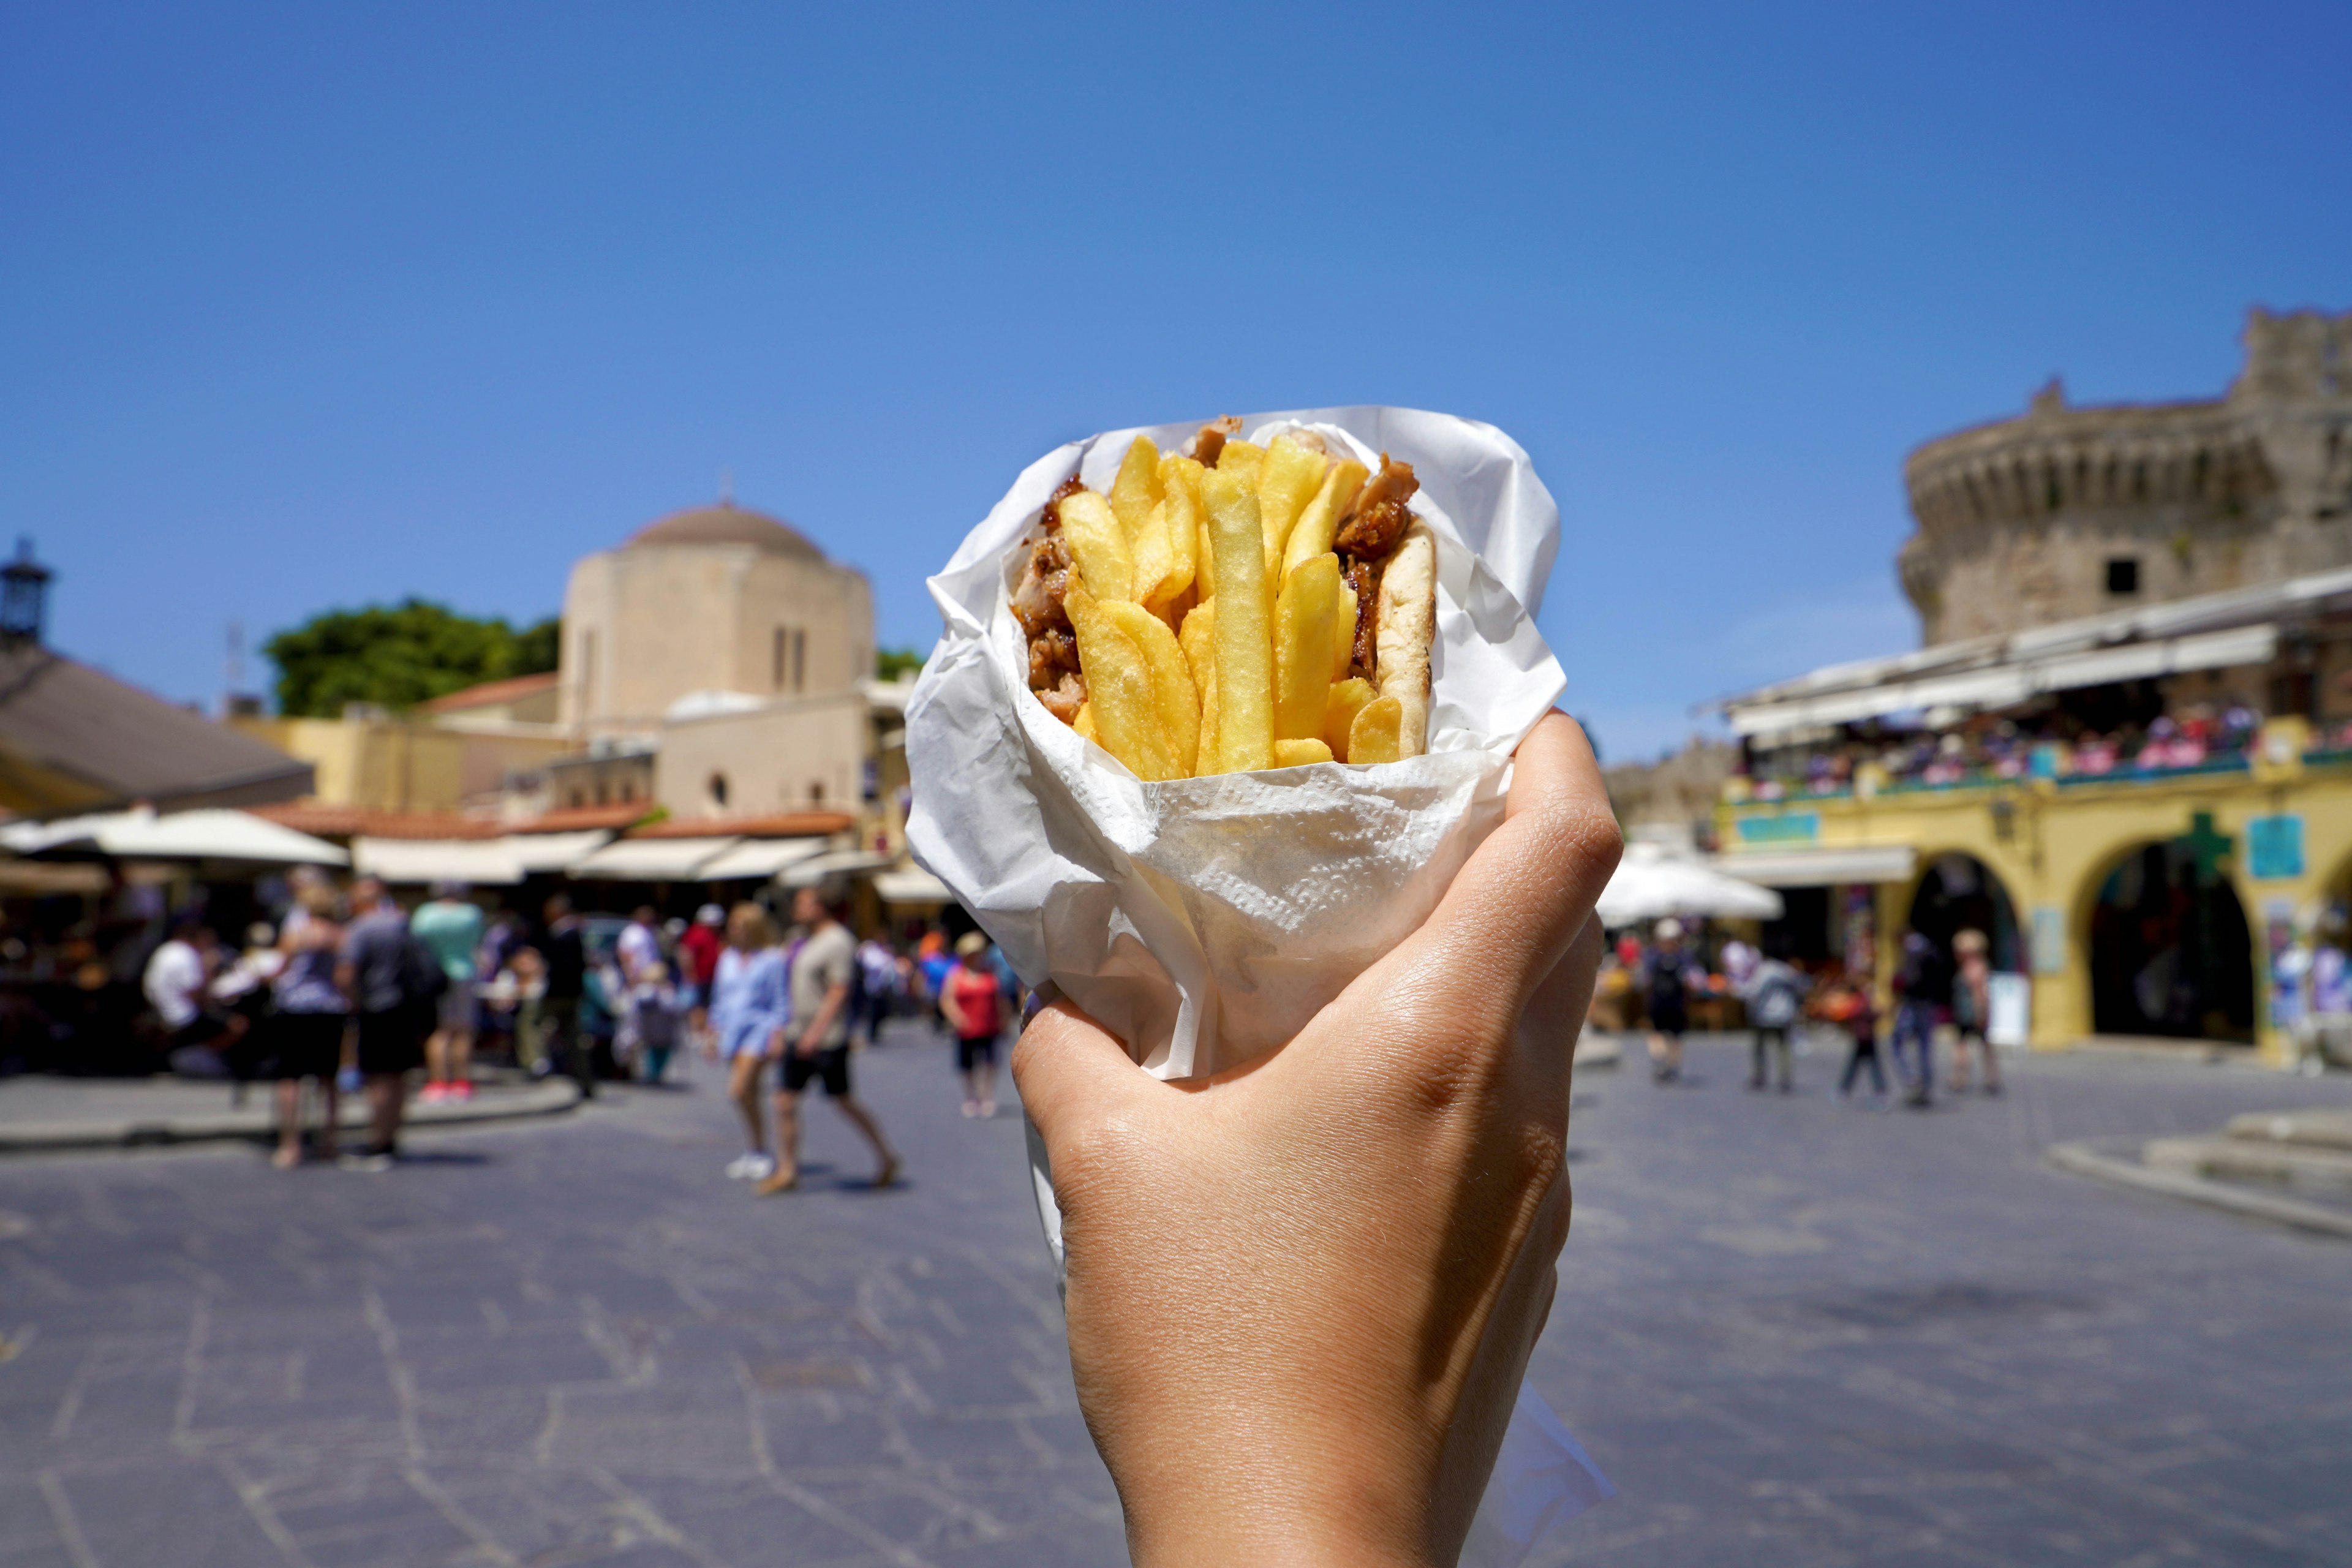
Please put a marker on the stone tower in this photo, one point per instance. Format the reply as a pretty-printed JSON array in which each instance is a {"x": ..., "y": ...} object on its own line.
[{"x": 2069, "y": 511}]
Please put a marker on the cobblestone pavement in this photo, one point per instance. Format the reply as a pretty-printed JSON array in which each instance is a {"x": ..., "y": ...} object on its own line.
[{"x": 1790, "y": 1330}]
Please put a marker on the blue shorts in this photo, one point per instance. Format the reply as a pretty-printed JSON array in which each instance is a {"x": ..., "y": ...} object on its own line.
[{"x": 748, "y": 1034}]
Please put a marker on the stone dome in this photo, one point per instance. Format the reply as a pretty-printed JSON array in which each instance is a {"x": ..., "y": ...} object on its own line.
[{"x": 727, "y": 523}]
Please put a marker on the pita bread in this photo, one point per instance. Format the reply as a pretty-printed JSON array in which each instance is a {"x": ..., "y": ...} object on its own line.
[{"x": 1403, "y": 633}]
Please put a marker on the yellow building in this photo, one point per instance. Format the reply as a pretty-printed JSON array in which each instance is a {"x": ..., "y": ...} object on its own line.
[
  {"x": 452, "y": 753},
  {"x": 2103, "y": 797}
]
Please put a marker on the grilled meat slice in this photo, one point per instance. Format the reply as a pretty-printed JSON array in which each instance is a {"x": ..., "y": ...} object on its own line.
[{"x": 1379, "y": 516}]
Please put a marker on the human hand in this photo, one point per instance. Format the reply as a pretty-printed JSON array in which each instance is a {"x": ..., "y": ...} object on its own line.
[{"x": 1302, "y": 1295}]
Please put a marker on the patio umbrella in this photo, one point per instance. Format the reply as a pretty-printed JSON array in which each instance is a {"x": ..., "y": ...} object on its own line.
[{"x": 1650, "y": 884}]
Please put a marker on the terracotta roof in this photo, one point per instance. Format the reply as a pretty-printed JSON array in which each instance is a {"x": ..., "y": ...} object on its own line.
[
  {"x": 325, "y": 821},
  {"x": 490, "y": 692},
  {"x": 786, "y": 824},
  {"x": 572, "y": 818},
  {"x": 727, "y": 523}
]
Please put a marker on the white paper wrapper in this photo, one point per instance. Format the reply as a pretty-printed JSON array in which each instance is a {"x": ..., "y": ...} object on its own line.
[{"x": 1206, "y": 920}]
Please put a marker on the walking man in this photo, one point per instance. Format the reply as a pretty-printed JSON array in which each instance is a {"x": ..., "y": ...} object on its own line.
[
  {"x": 377, "y": 973},
  {"x": 817, "y": 1042},
  {"x": 450, "y": 926},
  {"x": 1774, "y": 991},
  {"x": 1923, "y": 988}
]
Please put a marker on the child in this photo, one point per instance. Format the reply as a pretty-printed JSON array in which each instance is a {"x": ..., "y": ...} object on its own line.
[
  {"x": 655, "y": 1007},
  {"x": 1847, "y": 1005}
]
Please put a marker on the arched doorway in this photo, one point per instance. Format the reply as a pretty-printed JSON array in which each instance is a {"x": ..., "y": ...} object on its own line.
[
  {"x": 1959, "y": 893},
  {"x": 2172, "y": 952}
]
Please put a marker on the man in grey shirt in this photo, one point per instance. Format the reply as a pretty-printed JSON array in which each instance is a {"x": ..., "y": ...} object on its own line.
[
  {"x": 816, "y": 1044},
  {"x": 373, "y": 970}
]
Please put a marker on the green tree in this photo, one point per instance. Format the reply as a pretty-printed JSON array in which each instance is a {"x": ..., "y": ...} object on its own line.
[
  {"x": 890, "y": 663},
  {"x": 398, "y": 656}
]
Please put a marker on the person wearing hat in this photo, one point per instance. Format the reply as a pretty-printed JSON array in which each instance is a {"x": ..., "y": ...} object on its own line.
[
  {"x": 698, "y": 964},
  {"x": 974, "y": 1001},
  {"x": 1669, "y": 1001}
]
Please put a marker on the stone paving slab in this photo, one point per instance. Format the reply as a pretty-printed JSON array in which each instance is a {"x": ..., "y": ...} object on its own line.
[{"x": 1792, "y": 1330}]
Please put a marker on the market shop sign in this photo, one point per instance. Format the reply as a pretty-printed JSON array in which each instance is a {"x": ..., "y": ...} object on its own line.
[
  {"x": 2275, "y": 848},
  {"x": 1781, "y": 827}
]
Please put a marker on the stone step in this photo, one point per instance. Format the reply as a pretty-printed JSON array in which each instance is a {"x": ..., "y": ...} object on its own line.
[
  {"x": 2325, "y": 1129},
  {"x": 2297, "y": 1166}
]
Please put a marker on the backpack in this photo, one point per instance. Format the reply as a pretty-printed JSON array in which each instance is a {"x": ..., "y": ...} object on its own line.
[
  {"x": 423, "y": 981},
  {"x": 1776, "y": 1003}
]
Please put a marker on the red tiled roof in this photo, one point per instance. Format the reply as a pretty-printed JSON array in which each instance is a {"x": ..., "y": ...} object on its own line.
[
  {"x": 573, "y": 818},
  {"x": 325, "y": 821},
  {"x": 785, "y": 824},
  {"x": 490, "y": 691}
]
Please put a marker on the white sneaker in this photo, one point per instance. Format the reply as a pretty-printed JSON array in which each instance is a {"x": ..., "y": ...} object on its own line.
[{"x": 751, "y": 1168}]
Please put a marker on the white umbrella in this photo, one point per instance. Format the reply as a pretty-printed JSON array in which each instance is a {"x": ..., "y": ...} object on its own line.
[
  {"x": 1651, "y": 885},
  {"x": 203, "y": 835}
]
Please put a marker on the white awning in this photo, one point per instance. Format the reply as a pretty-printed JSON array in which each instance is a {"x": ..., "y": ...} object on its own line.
[
  {"x": 654, "y": 859},
  {"x": 1650, "y": 884},
  {"x": 2006, "y": 685},
  {"x": 839, "y": 863},
  {"x": 910, "y": 885},
  {"x": 481, "y": 862},
  {"x": 1820, "y": 867},
  {"x": 553, "y": 851},
  {"x": 761, "y": 857},
  {"x": 208, "y": 834}
]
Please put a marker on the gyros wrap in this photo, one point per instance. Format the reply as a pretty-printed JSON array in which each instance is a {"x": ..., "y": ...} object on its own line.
[{"x": 1204, "y": 916}]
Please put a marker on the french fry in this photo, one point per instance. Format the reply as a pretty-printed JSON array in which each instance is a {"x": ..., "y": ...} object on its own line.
[
  {"x": 1373, "y": 737},
  {"x": 1348, "y": 698},
  {"x": 1319, "y": 523},
  {"x": 1304, "y": 621},
  {"x": 1179, "y": 492},
  {"x": 1241, "y": 457},
  {"x": 1171, "y": 681},
  {"x": 1120, "y": 689},
  {"x": 1300, "y": 754},
  {"x": 1084, "y": 723},
  {"x": 1343, "y": 645},
  {"x": 1286, "y": 480},
  {"x": 1135, "y": 491},
  {"x": 1154, "y": 554},
  {"x": 1098, "y": 545},
  {"x": 1243, "y": 635},
  {"x": 1197, "y": 637}
]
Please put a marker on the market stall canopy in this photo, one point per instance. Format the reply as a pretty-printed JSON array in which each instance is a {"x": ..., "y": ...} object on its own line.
[
  {"x": 760, "y": 859},
  {"x": 542, "y": 852},
  {"x": 72, "y": 739},
  {"x": 1650, "y": 884},
  {"x": 819, "y": 868},
  {"x": 2212, "y": 631},
  {"x": 478, "y": 862},
  {"x": 652, "y": 859},
  {"x": 910, "y": 885},
  {"x": 1822, "y": 868},
  {"x": 143, "y": 835}
]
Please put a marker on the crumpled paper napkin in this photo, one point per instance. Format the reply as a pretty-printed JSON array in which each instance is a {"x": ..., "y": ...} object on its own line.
[{"x": 1204, "y": 920}]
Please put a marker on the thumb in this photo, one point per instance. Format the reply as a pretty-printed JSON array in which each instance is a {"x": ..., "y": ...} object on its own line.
[{"x": 1070, "y": 1071}]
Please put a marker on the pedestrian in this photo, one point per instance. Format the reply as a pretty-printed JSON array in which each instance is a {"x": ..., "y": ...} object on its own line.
[
  {"x": 450, "y": 926},
  {"x": 654, "y": 1019},
  {"x": 1668, "y": 1001},
  {"x": 817, "y": 1045},
  {"x": 178, "y": 983},
  {"x": 878, "y": 975},
  {"x": 974, "y": 1004},
  {"x": 307, "y": 1023},
  {"x": 1774, "y": 992},
  {"x": 565, "y": 988},
  {"x": 748, "y": 1007},
  {"x": 639, "y": 947},
  {"x": 1923, "y": 992},
  {"x": 386, "y": 976},
  {"x": 697, "y": 958},
  {"x": 1972, "y": 1011},
  {"x": 933, "y": 960},
  {"x": 1847, "y": 1005}
]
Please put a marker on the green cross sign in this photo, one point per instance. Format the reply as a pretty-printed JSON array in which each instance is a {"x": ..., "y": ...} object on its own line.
[{"x": 2208, "y": 847}]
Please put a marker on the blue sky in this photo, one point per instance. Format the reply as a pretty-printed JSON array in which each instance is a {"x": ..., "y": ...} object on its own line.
[{"x": 316, "y": 306}]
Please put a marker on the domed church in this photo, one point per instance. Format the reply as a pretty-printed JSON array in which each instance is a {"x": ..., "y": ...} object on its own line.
[
  {"x": 715, "y": 599},
  {"x": 716, "y": 663}
]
